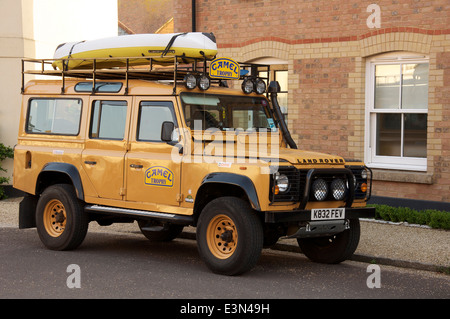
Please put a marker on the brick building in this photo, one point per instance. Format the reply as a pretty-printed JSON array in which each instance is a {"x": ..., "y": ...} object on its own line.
[
  {"x": 145, "y": 16},
  {"x": 363, "y": 79}
]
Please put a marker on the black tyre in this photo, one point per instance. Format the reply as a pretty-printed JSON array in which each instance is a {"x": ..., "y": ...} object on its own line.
[
  {"x": 61, "y": 221},
  {"x": 332, "y": 249},
  {"x": 157, "y": 231},
  {"x": 229, "y": 236}
]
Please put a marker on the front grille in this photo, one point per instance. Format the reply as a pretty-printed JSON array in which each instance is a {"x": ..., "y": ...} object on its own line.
[{"x": 349, "y": 180}]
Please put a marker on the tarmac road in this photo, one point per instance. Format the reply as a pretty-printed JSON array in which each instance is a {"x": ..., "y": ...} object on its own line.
[
  {"x": 126, "y": 265},
  {"x": 119, "y": 262}
]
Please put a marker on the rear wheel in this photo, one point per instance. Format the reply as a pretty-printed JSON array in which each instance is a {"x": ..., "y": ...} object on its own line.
[
  {"x": 332, "y": 249},
  {"x": 61, "y": 220},
  {"x": 229, "y": 236}
]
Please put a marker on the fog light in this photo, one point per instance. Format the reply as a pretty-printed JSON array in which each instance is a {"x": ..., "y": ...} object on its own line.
[
  {"x": 203, "y": 82},
  {"x": 190, "y": 81},
  {"x": 320, "y": 189},
  {"x": 338, "y": 189},
  {"x": 260, "y": 86},
  {"x": 247, "y": 86}
]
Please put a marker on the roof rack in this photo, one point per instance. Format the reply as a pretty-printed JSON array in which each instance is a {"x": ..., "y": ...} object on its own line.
[{"x": 154, "y": 70}]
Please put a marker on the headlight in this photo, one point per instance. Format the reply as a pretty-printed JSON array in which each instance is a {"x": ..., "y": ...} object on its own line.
[
  {"x": 364, "y": 174},
  {"x": 282, "y": 183},
  {"x": 320, "y": 189},
  {"x": 338, "y": 189}
]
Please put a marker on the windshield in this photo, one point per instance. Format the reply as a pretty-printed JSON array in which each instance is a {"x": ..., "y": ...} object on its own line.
[{"x": 226, "y": 112}]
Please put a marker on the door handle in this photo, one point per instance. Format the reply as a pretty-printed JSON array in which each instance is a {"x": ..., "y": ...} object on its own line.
[
  {"x": 136, "y": 166},
  {"x": 90, "y": 162}
]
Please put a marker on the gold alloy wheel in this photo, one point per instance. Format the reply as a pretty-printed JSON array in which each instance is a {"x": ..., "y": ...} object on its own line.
[
  {"x": 54, "y": 218},
  {"x": 222, "y": 236}
]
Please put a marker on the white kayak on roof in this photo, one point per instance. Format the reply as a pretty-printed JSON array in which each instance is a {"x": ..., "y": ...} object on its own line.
[{"x": 160, "y": 47}]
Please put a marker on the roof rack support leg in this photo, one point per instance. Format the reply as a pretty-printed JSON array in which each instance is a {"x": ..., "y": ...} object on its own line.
[
  {"x": 22, "y": 90},
  {"x": 126, "y": 77},
  {"x": 63, "y": 85},
  {"x": 93, "y": 76},
  {"x": 175, "y": 76}
]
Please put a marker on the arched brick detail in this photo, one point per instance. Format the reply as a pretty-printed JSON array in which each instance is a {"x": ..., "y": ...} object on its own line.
[{"x": 396, "y": 41}]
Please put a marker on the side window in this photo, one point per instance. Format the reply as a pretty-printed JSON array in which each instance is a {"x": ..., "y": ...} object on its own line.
[
  {"x": 54, "y": 116},
  {"x": 151, "y": 116},
  {"x": 108, "y": 120}
]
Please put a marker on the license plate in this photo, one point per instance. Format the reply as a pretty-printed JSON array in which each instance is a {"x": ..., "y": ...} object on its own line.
[{"x": 327, "y": 213}]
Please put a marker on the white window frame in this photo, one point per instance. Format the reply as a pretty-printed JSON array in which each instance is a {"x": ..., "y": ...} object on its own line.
[{"x": 388, "y": 162}]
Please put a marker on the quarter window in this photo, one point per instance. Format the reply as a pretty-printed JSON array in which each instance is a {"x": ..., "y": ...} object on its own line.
[
  {"x": 397, "y": 103},
  {"x": 54, "y": 116}
]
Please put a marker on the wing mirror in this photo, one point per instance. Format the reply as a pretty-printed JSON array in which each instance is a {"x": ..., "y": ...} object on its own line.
[{"x": 167, "y": 131}]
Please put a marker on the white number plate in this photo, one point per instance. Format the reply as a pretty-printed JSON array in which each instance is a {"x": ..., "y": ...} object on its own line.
[{"x": 327, "y": 213}]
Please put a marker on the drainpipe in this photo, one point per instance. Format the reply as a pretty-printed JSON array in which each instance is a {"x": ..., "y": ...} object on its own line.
[{"x": 194, "y": 22}]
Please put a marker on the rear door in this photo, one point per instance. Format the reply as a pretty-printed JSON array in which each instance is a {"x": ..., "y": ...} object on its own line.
[{"x": 106, "y": 145}]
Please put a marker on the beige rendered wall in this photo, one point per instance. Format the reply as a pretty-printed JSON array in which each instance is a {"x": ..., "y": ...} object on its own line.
[{"x": 33, "y": 29}]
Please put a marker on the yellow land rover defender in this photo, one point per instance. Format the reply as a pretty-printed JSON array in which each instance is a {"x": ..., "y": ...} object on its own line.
[{"x": 174, "y": 146}]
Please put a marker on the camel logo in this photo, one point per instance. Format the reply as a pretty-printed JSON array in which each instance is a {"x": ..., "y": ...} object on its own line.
[
  {"x": 159, "y": 176},
  {"x": 224, "y": 68}
]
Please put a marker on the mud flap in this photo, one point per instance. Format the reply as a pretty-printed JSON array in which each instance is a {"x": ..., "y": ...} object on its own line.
[{"x": 27, "y": 212}]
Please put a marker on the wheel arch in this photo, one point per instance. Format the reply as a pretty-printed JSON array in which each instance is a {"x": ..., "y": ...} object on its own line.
[
  {"x": 216, "y": 185},
  {"x": 59, "y": 173}
]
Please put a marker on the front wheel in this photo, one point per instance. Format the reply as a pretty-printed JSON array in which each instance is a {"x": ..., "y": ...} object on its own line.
[
  {"x": 229, "y": 236},
  {"x": 332, "y": 249},
  {"x": 61, "y": 221}
]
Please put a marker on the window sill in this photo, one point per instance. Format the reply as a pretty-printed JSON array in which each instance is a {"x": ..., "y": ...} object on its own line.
[{"x": 402, "y": 176}]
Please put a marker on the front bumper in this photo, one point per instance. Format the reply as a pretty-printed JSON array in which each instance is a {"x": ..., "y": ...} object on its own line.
[
  {"x": 305, "y": 215},
  {"x": 308, "y": 228}
]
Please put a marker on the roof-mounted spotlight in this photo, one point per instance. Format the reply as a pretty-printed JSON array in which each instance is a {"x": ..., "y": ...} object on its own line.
[
  {"x": 260, "y": 86},
  {"x": 190, "y": 81},
  {"x": 203, "y": 82},
  {"x": 247, "y": 86}
]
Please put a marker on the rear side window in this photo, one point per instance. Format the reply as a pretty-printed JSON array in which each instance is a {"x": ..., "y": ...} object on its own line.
[
  {"x": 108, "y": 120},
  {"x": 54, "y": 116}
]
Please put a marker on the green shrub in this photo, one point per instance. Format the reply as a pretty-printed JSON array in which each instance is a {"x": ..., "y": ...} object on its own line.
[
  {"x": 421, "y": 217},
  {"x": 5, "y": 152},
  {"x": 382, "y": 212},
  {"x": 439, "y": 219},
  {"x": 430, "y": 217}
]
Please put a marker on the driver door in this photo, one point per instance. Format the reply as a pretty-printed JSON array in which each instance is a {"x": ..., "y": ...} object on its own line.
[{"x": 152, "y": 177}]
